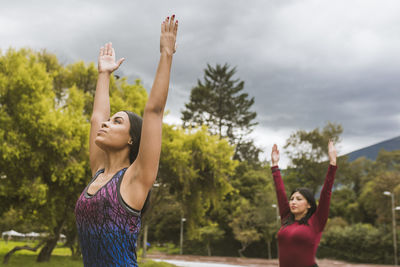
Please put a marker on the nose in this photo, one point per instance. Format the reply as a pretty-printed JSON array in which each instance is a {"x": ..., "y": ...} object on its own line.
[{"x": 104, "y": 124}]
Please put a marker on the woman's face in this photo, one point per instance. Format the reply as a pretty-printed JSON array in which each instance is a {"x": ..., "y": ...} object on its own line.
[
  {"x": 298, "y": 204},
  {"x": 114, "y": 133}
]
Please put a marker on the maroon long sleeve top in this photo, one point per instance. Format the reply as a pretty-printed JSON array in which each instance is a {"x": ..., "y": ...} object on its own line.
[{"x": 298, "y": 243}]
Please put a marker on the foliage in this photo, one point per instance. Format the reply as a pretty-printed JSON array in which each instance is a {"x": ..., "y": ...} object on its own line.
[
  {"x": 44, "y": 122},
  {"x": 308, "y": 152},
  {"x": 244, "y": 225},
  {"x": 196, "y": 166},
  {"x": 219, "y": 103},
  {"x": 210, "y": 233},
  {"x": 44, "y": 125},
  {"x": 357, "y": 243}
]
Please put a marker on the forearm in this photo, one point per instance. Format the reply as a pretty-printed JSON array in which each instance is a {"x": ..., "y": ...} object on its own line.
[
  {"x": 159, "y": 91},
  {"x": 101, "y": 105},
  {"x": 322, "y": 211},
  {"x": 280, "y": 192}
]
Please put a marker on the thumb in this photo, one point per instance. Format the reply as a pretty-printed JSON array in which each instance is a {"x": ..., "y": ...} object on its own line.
[{"x": 119, "y": 62}]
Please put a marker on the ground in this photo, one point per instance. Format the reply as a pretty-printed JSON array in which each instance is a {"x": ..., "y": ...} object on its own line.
[{"x": 253, "y": 262}]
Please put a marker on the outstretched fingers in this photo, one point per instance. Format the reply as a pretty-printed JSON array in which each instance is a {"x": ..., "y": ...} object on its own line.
[
  {"x": 176, "y": 28},
  {"x": 330, "y": 143},
  {"x": 170, "y": 25},
  {"x": 119, "y": 62},
  {"x": 109, "y": 49},
  {"x": 275, "y": 148}
]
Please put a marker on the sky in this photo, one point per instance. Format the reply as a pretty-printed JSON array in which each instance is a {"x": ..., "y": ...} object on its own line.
[{"x": 305, "y": 62}]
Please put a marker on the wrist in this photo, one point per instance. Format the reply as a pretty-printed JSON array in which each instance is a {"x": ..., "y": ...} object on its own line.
[
  {"x": 332, "y": 162},
  {"x": 274, "y": 164},
  {"x": 104, "y": 73},
  {"x": 167, "y": 53}
]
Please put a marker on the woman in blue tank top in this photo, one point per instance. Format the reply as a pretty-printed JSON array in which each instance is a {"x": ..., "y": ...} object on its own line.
[{"x": 124, "y": 158}]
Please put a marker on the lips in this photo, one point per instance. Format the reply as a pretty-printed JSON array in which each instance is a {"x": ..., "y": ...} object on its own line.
[{"x": 101, "y": 131}]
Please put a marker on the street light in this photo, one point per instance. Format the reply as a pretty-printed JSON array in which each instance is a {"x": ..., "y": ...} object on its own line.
[
  {"x": 277, "y": 213},
  {"x": 387, "y": 193},
  {"x": 181, "y": 243}
]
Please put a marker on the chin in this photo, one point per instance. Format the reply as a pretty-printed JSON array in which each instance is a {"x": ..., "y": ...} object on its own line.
[{"x": 99, "y": 142}]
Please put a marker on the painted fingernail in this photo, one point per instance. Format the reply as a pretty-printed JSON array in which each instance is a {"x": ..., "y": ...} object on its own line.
[
  {"x": 167, "y": 18},
  {"x": 176, "y": 22},
  {"x": 173, "y": 16}
]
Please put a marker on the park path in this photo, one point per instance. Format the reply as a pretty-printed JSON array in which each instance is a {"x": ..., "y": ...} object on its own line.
[{"x": 203, "y": 261}]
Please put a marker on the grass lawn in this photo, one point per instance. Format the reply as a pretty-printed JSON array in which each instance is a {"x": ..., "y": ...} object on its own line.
[{"x": 61, "y": 257}]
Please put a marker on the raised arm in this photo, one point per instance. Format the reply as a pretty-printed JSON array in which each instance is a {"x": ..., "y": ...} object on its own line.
[
  {"x": 321, "y": 214},
  {"x": 283, "y": 202},
  {"x": 142, "y": 173},
  {"x": 101, "y": 105}
]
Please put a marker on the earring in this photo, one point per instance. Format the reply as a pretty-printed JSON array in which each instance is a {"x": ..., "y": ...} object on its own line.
[{"x": 130, "y": 142}]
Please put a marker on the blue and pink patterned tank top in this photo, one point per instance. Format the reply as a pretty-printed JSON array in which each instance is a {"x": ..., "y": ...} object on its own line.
[{"x": 107, "y": 227}]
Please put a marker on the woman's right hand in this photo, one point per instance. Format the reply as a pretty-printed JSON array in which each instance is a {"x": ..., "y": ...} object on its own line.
[
  {"x": 169, "y": 30},
  {"x": 107, "y": 62},
  {"x": 275, "y": 155}
]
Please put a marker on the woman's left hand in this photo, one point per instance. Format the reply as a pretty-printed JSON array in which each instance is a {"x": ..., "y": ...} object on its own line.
[
  {"x": 169, "y": 29},
  {"x": 332, "y": 153}
]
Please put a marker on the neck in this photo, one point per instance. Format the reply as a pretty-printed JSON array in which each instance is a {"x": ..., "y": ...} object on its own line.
[
  {"x": 115, "y": 161},
  {"x": 298, "y": 217}
]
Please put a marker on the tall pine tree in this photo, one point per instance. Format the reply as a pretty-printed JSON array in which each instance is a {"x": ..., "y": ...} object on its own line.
[{"x": 219, "y": 102}]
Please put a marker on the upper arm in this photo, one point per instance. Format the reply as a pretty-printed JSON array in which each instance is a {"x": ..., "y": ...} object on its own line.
[
  {"x": 96, "y": 154},
  {"x": 143, "y": 171},
  {"x": 322, "y": 212},
  {"x": 283, "y": 202},
  {"x": 145, "y": 167}
]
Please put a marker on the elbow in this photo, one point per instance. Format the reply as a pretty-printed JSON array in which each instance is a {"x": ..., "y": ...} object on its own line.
[{"x": 154, "y": 109}]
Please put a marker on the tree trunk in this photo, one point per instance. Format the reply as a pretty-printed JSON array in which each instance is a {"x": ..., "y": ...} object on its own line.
[
  {"x": 51, "y": 242},
  {"x": 269, "y": 249},
  {"x": 75, "y": 248},
  {"x": 208, "y": 248},
  {"x": 145, "y": 241},
  {"x": 9, "y": 254},
  {"x": 241, "y": 250},
  {"x": 46, "y": 251}
]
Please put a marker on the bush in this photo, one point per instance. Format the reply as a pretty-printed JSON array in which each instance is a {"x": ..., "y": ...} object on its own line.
[{"x": 357, "y": 243}]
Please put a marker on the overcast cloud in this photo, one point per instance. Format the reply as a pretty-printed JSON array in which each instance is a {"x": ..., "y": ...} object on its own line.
[{"x": 305, "y": 62}]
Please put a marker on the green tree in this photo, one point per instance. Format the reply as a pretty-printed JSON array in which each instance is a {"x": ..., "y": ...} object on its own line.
[
  {"x": 308, "y": 152},
  {"x": 196, "y": 166},
  {"x": 210, "y": 233},
  {"x": 244, "y": 225},
  {"x": 44, "y": 125},
  {"x": 44, "y": 149},
  {"x": 219, "y": 103}
]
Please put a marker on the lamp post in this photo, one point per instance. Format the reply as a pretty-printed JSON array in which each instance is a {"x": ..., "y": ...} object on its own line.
[
  {"x": 387, "y": 193},
  {"x": 181, "y": 243},
  {"x": 277, "y": 213}
]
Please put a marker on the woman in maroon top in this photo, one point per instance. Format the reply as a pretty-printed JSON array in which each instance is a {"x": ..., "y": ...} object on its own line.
[{"x": 302, "y": 221}]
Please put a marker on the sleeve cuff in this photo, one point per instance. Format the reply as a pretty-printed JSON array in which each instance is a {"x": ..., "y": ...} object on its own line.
[
  {"x": 332, "y": 166},
  {"x": 275, "y": 169}
]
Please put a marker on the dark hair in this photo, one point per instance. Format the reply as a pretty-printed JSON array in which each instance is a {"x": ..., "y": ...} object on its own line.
[
  {"x": 135, "y": 131},
  {"x": 307, "y": 194}
]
